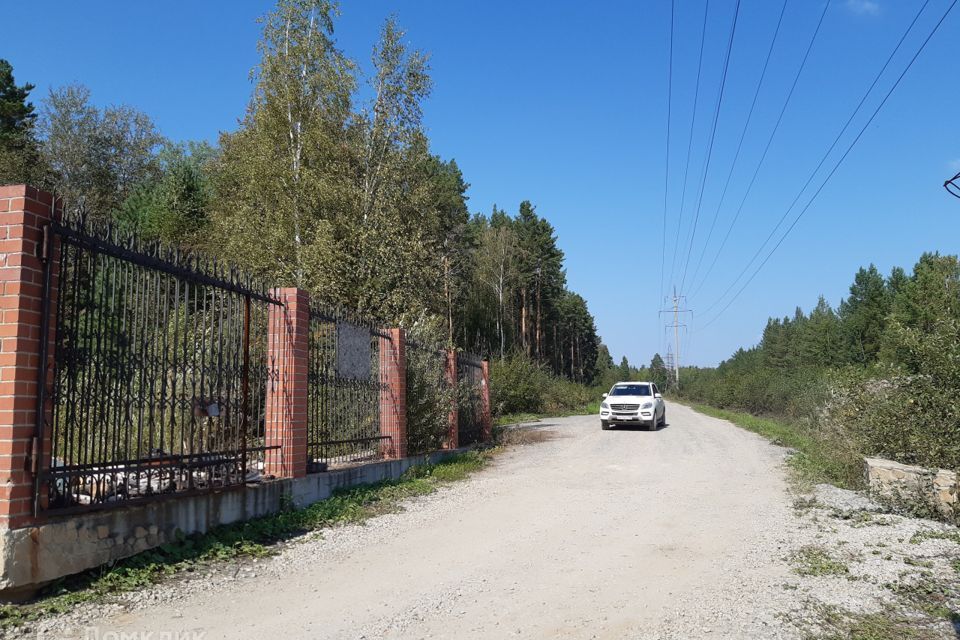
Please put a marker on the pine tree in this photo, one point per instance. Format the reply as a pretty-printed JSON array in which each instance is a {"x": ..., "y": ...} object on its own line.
[{"x": 20, "y": 160}]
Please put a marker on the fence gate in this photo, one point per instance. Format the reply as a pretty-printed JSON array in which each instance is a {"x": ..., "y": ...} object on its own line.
[
  {"x": 470, "y": 405},
  {"x": 344, "y": 385},
  {"x": 159, "y": 372}
]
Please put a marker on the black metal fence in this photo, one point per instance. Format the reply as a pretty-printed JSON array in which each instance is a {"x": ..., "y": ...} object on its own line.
[
  {"x": 470, "y": 399},
  {"x": 159, "y": 372},
  {"x": 344, "y": 383},
  {"x": 429, "y": 396}
]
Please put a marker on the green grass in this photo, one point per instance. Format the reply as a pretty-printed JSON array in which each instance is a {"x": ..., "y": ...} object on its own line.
[
  {"x": 817, "y": 561},
  {"x": 516, "y": 418},
  {"x": 920, "y": 536},
  {"x": 812, "y": 463},
  {"x": 250, "y": 539}
]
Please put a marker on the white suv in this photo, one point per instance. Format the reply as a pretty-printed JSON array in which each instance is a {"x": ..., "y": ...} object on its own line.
[{"x": 633, "y": 403}]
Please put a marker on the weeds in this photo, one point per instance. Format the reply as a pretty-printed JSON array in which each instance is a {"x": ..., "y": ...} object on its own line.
[
  {"x": 952, "y": 536},
  {"x": 816, "y": 561}
]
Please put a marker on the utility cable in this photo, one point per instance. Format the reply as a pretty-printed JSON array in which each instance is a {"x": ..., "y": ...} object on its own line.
[
  {"x": 713, "y": 135},
  {"x": 693, "y": 120},
  {"x": 826, "y": 155},
  {"x": 773, "y": 133},
  {"x": 666, "y": 178},
  {"x": 838, "y": 163},
  {"x": 736, "y": 156}
]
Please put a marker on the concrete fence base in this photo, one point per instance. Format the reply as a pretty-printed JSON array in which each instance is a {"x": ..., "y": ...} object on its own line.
[
  {"x": 937, "y": 487},
  {"x": 34, "y": 556}
]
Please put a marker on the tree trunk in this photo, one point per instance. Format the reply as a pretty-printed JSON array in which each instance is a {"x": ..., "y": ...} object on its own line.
[
  {"x": 539, "y": 327},
  {"x": 523, "y": 322}
]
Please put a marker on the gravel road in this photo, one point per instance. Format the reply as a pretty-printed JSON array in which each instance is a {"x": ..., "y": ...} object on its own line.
[{"x": 685, "y": 532}]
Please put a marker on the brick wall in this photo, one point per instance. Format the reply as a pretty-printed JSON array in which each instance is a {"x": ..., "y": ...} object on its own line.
[
  {"x": 453, "y": 419},
  {"x": 23, "y": 213},
  {"x": 393, "y": 395},
  {"x": 286, "y": 411}
]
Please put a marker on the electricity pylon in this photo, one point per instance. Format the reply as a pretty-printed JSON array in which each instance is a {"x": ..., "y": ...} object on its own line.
[{"x": 676, "y": 301}]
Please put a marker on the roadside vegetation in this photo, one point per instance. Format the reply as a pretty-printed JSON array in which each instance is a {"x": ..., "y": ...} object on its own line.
[
  {"x": 522, "y": 389},
  {"x": 325, "y": 185},
  {"x": 244, "y": 541},
  {"x": 875, "y": 377}
]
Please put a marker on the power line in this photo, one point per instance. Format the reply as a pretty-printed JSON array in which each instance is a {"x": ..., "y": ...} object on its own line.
[
  {"x": 773, "y": 133},
  {"x": 693, "y": 121},
  {"x": 666, "y": 178},
  {"x": 713, "y": 134},
  {"x": 826, "y": 155},
  {"x": 839, "y": 162},
  {"x": 743, "y": 135}
]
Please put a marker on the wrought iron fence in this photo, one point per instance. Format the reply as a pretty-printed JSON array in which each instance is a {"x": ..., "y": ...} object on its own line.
[
  {"x": 344, "y": 386},
  {"x": 159, "y": 372},
  {"x": 429, "y": 396},
  {"x": 469, "y": 401}
]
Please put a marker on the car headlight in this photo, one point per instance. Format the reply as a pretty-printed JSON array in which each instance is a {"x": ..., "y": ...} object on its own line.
[
  {"x": 647, "y": 405},
  {"x": 604, "y": 405}
]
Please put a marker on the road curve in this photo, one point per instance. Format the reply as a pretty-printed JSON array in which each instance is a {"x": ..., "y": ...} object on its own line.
[{"x": 591, "y": 534}]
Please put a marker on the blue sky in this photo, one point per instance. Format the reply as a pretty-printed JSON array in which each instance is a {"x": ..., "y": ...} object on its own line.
[{"x": 564, "y": 104}]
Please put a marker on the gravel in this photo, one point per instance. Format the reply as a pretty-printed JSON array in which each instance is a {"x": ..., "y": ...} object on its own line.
[{"x": 687, "y": 532}]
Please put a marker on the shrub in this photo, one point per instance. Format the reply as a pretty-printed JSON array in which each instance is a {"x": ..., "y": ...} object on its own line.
[{"x": 519, "y": 385}]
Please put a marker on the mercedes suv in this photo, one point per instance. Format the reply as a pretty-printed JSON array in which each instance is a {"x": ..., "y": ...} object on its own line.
[{"x": 633, "y": 403}]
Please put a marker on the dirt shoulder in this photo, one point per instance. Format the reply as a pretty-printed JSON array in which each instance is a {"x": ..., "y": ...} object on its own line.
[{"x": 687, "y": 532}]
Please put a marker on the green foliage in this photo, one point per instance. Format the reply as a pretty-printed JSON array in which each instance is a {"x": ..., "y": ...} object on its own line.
[
  {"x": 429, "y": 396},
  {"x": 817, "y": 561},
  {"x": 329, "y": 184},
  {"x": 879, "y": 378},
  {"x": 658, "y": 372},
  {"x": 97, "y": 157},
  {"x": 16, "y": 114},
  {"x": 20, "y": 159},
  {"x": 521, "y": 386},
  {"x": 173, "y": 208}
]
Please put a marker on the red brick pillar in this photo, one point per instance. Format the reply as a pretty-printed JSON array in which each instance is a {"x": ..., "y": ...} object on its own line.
[
  {"x": 393, "y": 394},
  {"x": 24, "y": 211},
  {"x": 453, "y": 424},
  {"x": 286, "y": 411},
  {"x": 486, "y": 419}
]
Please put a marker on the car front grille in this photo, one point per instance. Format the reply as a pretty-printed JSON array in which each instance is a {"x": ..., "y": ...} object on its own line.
[{"x": 624, "y": 407}]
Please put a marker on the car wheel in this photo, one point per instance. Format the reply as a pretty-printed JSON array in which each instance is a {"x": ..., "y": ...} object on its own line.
[
  {"x": 604, "y": 425},
  {"x": 663, "y": 418}
]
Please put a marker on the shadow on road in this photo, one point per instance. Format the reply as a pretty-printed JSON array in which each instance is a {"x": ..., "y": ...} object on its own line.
[{"x": 636, "y": 427}]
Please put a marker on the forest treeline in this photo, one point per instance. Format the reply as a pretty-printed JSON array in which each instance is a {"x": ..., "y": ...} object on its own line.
[
  {"x": 328, "y": 183},
  {"x": 877, "y": 376}
]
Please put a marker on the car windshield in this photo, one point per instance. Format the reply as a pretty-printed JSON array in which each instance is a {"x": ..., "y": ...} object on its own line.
[{"x": 631, "y": 390}]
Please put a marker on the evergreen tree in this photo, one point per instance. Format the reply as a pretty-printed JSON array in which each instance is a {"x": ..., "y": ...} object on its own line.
[
  {"x": 864, "y": 314},
  {"x": 20, "y": 160},
  {"x": 658, "y": 371}
]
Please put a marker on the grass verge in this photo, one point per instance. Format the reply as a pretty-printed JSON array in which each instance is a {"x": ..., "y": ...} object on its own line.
[
  {"x": 516, "y": 418},
  {"x": 812, "y": 462},
  {"x": 250, "y": 539}
]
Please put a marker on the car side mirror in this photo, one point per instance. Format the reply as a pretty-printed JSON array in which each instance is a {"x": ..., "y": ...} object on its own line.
[
  {"x": 605, "y": 395},
  {"x": 657, "y": 395}
]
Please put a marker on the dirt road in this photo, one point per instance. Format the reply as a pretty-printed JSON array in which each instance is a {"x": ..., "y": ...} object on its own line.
[{"x": 626, "y": 533}]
